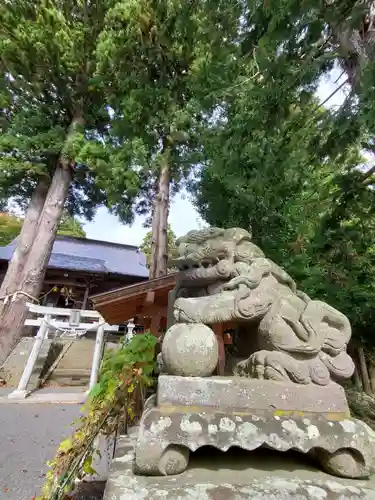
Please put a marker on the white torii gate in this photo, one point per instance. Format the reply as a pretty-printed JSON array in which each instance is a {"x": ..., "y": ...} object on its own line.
[{"x": 73, "y": 328}]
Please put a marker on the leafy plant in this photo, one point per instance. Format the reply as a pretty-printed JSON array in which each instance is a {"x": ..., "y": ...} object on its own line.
[
  {"x": 122, "y": 373},
  {"x": 10, "y": 227}
]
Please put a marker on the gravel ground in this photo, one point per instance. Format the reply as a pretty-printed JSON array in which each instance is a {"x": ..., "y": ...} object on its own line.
[{"x": 30, "y": 434}]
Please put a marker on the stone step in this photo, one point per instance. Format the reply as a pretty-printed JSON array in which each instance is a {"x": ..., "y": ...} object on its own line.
[
  {"x": 67, "y": 382},
  {"x": 73, "y": 372},
  {"x": 70, "y": 376}
]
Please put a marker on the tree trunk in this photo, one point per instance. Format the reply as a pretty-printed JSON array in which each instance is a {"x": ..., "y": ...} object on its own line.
[
  {"x": 14, "y": 312},
  {"x": 163, "y": 206},
  {"x": 371, "y": 370},
  {"x": 357, "y": 380},
  {"x": 364, "y": 372},
  {"x": 155, "y": 237},
  {"x": 25, "y": 240},
  {"x": 356, "y": 44}
]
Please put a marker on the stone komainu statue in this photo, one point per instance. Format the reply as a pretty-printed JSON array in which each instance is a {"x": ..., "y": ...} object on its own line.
[
  {"x": 225, "y": 277},
  {"x": 286, "y": 396}
]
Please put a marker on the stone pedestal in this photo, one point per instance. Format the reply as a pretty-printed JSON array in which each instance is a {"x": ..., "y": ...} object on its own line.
[
  {"x": 239, "y": 393},
  {"x": 190, "y": 412},
  {"x": 237, "y": 475}
]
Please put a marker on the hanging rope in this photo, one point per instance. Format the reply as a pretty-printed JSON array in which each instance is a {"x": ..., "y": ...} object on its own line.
[
  {"x": 13, "y": 296},
  {"x": 69, "y": 332}
]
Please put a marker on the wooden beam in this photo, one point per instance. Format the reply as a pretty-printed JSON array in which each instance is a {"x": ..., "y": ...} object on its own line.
[
  {"x": 218, "y": 329},
  {"x": 64, "y": 282},
  {"x": 63, "y": 325},
  {"x": 151, "y": 310},
  {"x": 56, "y": 311},
  {"x": 131, "y": 291},
  {"x": 150, "y": 298}
]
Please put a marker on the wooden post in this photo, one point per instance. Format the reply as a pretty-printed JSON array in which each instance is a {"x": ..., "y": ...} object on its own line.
[
  {"x": 155, "y": 323},
  {"x": 85, "y": 297},
  {"x": 171, "y": 300},
  {"x": 97, "y": 356},
  {"x": 357, "y": 380},
  {"x": 364, "y": 372},
  {"x": 218, "y": 329},
  {"x": 371, "y": 371}
]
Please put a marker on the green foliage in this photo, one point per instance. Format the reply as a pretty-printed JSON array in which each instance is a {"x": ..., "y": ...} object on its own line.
[
  {"x": 362, "y": 406},
  {"x": 288, "y": 168},
  {"x": 122, "y": 373},
  {"x": 10, "y": 227},
  {"x": 159, "y": 62},
  {"x": 339, "y": 258},
  {"x": 147, "y": 243},
  {"x": 48, "y": 60},
  {"x": 310, "y": 208},
  {"x": 70, "y": 226}
]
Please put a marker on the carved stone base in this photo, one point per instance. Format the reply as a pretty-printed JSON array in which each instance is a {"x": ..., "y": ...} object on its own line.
[
  {"x": 229, "y": 393},
  {"x": 343, "y": 446}
]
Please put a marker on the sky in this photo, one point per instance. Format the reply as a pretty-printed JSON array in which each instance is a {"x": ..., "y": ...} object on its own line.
[{"x": 182, "y": 216}]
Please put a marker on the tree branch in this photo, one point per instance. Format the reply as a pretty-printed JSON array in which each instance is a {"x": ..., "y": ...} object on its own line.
[{"x": 368, "y": 174}]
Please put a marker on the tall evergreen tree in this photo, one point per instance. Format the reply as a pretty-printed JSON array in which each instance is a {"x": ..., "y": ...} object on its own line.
[
  {"x": 54, "y": 114},
  {"x": 289, "y": 168},
  {"x": 162, "y": 62}
]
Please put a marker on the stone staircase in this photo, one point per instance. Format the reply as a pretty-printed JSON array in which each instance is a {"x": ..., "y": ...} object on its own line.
[
  {"x": 61, "y": 363},
  {"x": 74, "y": 368}
]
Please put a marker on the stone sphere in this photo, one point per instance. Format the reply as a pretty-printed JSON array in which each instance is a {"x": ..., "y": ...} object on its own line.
[{"x": 190, "y": 350}]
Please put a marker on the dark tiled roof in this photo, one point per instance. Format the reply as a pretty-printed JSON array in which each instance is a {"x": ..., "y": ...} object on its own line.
[{"x": 82, "y": 254}]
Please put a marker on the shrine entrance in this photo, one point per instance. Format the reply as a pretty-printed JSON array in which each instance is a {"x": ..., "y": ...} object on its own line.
[{"x": 146, "y": 304}]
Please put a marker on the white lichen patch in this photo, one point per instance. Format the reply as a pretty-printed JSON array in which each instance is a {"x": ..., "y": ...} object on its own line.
[
  {"x": 212, "y": 429},
  {"x": 161, "y": 494},
  {"x": 160, "y": 425},
  {"x": 348, "y": 425},
  {"x": 313, "y": 432},
  {"x": 354, "y": 490},
  {"x": 275, "y": 441},
  {"x": 335, "y": 487},
  {"x": 282, "y": 485},
  {"x": 125, "y": 458},
  {"x": 197, "y": 491},
  {"x": 276, "y": 417},
  {"x": 190, "y": 427},
  {"x": 246, "y": 430},
  {"x": 227, "y": 425},
  {"x": 306, "y": 421},
  {"x": 292, "y": 428},
  {"x": 238, "y": 419},
  {"x": 316, "y": 493}
]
